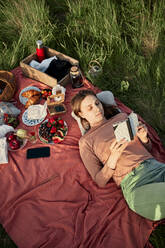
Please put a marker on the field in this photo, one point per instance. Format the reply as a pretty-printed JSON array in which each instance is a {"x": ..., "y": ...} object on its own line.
[{"x": 126, "y": 38}]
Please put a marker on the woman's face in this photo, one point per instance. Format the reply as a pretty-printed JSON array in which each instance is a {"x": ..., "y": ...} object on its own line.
[{"x": 92, "y": 110}]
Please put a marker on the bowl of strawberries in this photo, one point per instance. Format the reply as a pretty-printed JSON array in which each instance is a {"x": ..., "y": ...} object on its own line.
[{"x": 53, "y": 130}]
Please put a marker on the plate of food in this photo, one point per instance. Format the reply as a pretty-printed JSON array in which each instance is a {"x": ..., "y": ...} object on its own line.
[
  {"x": 30, "y": 95},
  {"x": 14, "y": 142},
  {"x": 53, "y": 130},
  {"x": 31, "y": 122}
]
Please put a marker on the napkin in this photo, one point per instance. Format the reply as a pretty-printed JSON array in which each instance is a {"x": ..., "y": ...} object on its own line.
[
  {"x": 3, "y": 151},
  {"x": 43, "y": 65},
  {"x": 4, "y": 129}
]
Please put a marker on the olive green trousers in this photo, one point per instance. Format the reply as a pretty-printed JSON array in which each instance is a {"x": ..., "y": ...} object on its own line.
[{"x": 144, "y": 189}]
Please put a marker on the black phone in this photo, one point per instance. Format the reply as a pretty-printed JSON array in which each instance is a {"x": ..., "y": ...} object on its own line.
[
  {"x": 59, "y": 108},
  {"x": 38, "y": 152}
]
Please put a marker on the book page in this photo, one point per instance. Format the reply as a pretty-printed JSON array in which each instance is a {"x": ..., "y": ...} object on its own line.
[{"x": 121, "y": 130}]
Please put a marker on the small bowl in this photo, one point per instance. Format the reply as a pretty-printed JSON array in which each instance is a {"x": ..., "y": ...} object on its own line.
[{"x": 24, "y": 141}]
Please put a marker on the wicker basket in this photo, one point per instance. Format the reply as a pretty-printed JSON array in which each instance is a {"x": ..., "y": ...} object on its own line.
[
  {"x": 41, "y": 76},
  {"x": 7, "y": 85}
]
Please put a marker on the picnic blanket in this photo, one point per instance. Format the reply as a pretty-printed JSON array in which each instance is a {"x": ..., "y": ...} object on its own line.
[{"x": 53, "y": 202}]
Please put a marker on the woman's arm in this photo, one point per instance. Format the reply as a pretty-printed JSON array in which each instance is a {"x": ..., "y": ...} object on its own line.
[{"x": 101, "y": 175}]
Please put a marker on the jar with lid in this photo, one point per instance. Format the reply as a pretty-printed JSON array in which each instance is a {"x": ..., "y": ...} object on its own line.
[
  {"x": 76, "y": 77},
  {"x": 40, "y": 51}
]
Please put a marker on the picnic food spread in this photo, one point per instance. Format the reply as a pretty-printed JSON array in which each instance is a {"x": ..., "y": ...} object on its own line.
[
  {"x": 38, "y": 103},
  {"x": 52, "y": 131}
]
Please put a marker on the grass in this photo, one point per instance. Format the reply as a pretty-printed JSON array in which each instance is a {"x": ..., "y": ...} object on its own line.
[
  {"x": 126, "y": 37},
  {"x": 5, "y": 241}
]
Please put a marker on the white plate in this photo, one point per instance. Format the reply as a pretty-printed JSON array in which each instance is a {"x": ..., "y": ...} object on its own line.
[
  {"x": 22, "y": 99},
  {"x": 28, "y": 122},
  {"x": 52, "y": 141}
]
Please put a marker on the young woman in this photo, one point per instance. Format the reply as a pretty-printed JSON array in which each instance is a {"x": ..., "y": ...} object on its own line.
[{"x": 130, "y": 164}]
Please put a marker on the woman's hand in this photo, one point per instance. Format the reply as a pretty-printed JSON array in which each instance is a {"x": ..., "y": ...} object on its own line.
[
  {"x": 116, "y": 150},
  {"x": 142, "y": 132}
]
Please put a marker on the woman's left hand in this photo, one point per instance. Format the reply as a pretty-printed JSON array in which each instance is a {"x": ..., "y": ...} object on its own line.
[{"x": 142, "y": 132}]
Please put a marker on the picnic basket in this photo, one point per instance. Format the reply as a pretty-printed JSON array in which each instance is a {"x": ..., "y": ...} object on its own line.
[
  {"x": 31, "y": 72},
  {"x": 7, "y": 85}
]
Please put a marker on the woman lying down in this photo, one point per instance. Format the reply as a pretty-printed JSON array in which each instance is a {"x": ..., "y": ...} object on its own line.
[{"x": 130, "y": 164}]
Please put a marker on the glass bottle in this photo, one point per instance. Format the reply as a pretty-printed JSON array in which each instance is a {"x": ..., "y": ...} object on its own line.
[
  {"x": 40, "y": 51},
  {"x": 76, "y": 77}
]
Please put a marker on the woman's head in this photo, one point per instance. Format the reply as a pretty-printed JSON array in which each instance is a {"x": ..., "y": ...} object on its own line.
[
  {"x": 84, "y": 97},
  {"x": 86, "y": 105}
]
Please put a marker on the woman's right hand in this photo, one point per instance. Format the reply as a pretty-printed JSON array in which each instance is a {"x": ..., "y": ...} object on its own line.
[{"x": 116, "y": 149}]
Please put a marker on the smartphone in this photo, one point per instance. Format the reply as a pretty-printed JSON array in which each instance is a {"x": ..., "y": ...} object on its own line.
[
  {"x": 38, "y": 152},
  {"x": 59, "y": 108}
]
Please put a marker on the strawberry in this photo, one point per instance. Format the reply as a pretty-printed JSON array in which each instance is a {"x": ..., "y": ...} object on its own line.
[
  {"x": 10, "y": 136},
  {"x": 53, "y": 129},
  {"x": 61, "y": 122},
  {"x": 48, "y": 124},
  {"x": 32, "y": 133},
  {"x": 56, "y": 140},
  {"x": 51, "y": 120}
]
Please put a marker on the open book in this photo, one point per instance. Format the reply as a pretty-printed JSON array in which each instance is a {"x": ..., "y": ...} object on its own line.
[{"x": 127, "y": 128}]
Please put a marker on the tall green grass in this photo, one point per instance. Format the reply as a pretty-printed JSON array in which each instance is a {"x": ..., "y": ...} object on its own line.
[
  {"x": 21, "y": 24},
  {"x": 126, "y": 37}
]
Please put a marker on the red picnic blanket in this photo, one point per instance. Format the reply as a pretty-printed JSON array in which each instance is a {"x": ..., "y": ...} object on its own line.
[{"x": 53, "y": 202}]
